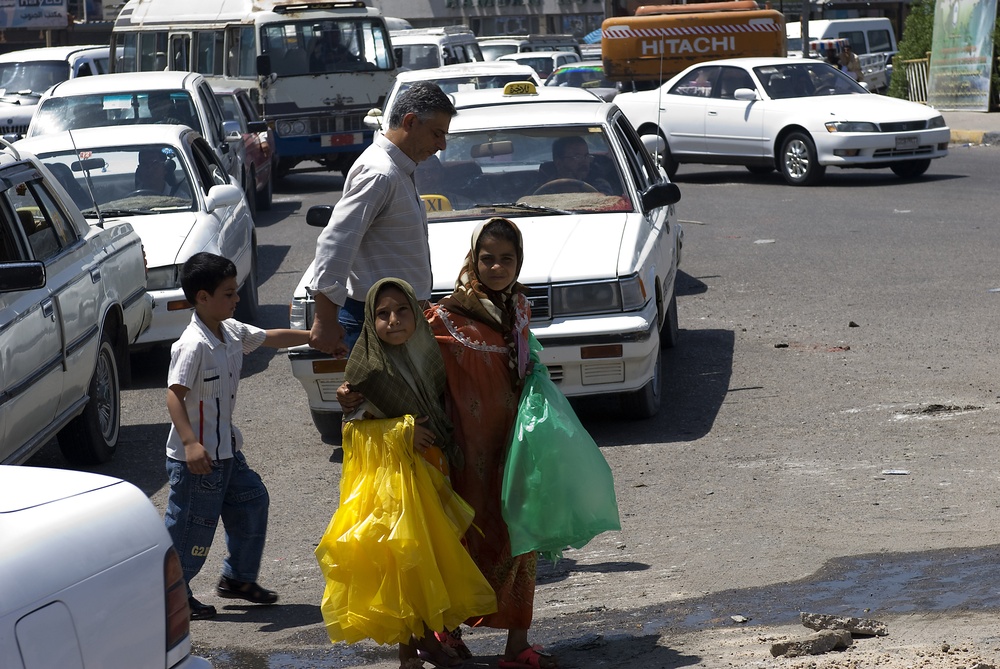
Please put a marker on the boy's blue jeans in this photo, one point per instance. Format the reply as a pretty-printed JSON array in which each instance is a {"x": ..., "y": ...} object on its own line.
[
  {"x": 352, "y": 318},
  {"x": 232, "y": 492}
]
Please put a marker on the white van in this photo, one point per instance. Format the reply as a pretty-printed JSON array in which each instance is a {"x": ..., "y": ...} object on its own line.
[
  {"x": 502, "y": 45},
  {"x": 423, "y": 48},
  {"x": 872, "y": 39},
  {"x": 26, "y": 74}
]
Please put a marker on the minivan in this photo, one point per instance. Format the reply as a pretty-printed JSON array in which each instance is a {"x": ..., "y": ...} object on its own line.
[{"x": 423, "y": 48}]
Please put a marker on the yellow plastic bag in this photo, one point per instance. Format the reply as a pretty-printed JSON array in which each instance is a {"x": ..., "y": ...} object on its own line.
[{"x": 392, "y": 554}]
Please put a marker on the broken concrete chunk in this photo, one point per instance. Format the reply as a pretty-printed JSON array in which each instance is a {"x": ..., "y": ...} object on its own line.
[
  {"x": 859, "y": 626},
  {"x": 814, "y": 644}
]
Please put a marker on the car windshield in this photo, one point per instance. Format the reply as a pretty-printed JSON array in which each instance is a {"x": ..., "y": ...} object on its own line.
[
  {"x": 34, "y": 77},
  {"x": 494, "y": 51},
  {"x": 580, "y": 77},
  {"x": 541, "y": 64},
  {"x": 523, "y": 172},
  {"x": 325, "y": 46},
  {"x": 471, "y": 82},
  {"x": 59, "y": 114},
  {"x": 144, "y": 179},
  {"x": 810, "y": 78}
]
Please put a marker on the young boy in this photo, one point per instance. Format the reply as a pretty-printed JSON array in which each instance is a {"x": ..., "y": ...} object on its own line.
[{"x": 209, "y": 477}]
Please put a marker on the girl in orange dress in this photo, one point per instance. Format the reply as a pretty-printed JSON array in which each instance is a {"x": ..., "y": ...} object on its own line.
[{"x": 482, "y": 329}]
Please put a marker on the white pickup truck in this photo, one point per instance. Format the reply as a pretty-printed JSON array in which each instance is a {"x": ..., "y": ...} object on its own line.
[{"x": 72, "y": 299}]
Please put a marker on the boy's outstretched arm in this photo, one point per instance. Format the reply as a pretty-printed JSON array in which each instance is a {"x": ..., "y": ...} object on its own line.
[
  {"x": 198, "y": 459},
  {"x": 284, "y": 337}
]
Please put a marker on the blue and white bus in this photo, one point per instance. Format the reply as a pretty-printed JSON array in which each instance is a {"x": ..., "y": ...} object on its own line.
[{"x": 314, "y": 67}]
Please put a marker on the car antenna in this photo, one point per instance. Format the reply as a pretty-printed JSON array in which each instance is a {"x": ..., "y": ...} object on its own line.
[{"x": 86, "y": 176}]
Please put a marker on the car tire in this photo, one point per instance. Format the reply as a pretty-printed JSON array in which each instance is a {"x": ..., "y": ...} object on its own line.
[
  {"x": 328, "y": 424},
  {"x": 910, "y": 169},
  {"x": 670, "y": 328},
  {"x": 265, "y": 197},
  {"x": 667, "y": 160},
  {"x": 760, "y": 170},
  {"x": 249, "y": 305},
  {"x": 798, "y": 162},
  {"x": 645, "y": 402},
  {"x": 92, "y": 437}
]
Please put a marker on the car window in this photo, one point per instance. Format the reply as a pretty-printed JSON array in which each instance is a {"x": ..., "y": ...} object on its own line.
[
  {"x": 59, "y": 114},
  {"x": 811, "y": 78},
  {"x": 731, "y": 78},
  {"x": 147, "y": 178},
  {"x": 44, "y": 224},
  {"x": 569, "y": 168},
  {"x": 214, "y": 113},
  {"x": 248, "y": 109},
  {"x": 210, "y": 170},
  {"x": 231, "y": 111},
  {"x": 640, "y": 162},
  {"x": 879, "y": 41},
  {"x": 857, "y": 40},
  {"x": 698, "y": 83}
]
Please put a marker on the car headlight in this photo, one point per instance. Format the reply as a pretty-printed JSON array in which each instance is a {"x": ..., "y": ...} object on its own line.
[
  {"x": 598, "y": 297},
  {"x": 284, "y": 128},
  {"x": 936, "y": 122},
  {"x": 163, "y": 278},
  {"x": 851, "y": 126}
]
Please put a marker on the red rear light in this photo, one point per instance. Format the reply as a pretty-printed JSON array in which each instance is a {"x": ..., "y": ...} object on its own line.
[{"x": 178, "y": 613}]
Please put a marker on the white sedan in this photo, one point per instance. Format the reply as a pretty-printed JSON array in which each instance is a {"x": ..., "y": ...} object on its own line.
[
  {"x": 601, "y": 244},
  {"x": 794, "y": 115},
  {"x": 195, "y": 207}
]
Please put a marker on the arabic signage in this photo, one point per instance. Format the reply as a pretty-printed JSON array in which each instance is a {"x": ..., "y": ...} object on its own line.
[
  {"x": 32, "y": 14},
  {"x": 961, "y": 51}
]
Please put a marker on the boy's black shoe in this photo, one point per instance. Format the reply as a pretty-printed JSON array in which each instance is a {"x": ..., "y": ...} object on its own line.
[
  {"x": 200, "y": 611},
  {"x": 230, "y": 588}
]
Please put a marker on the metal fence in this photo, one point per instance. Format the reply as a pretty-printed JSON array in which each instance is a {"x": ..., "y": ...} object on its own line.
[{"x": 916, "y": 79}]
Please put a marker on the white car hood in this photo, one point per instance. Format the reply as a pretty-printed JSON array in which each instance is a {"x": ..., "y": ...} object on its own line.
[
  {"x": 874, "y": 108},
  {"x": 162, "y": 235},
  {"x": 557, "y": 249}
]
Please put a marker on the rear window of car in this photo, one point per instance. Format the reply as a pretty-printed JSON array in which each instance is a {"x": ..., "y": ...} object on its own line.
[{"x": 58, "y": 114}]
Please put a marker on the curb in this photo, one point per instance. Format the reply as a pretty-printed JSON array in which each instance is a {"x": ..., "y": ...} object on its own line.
[{"x": 975, "y": 137}]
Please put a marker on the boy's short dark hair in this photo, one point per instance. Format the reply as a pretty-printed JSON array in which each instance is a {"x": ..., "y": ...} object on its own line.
[
  {"x": 205, "y": 271},
  {"x": 423, "y": 98}
]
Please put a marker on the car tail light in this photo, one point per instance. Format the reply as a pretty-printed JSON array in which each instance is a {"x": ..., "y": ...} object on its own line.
[{"x": 178, "y": 613}]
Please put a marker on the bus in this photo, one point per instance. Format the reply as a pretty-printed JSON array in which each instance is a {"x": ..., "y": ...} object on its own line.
[{"x": 313, "y": 67}]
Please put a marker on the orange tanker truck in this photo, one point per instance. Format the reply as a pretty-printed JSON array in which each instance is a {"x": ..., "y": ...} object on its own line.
[{"x": 660, "y": 41}]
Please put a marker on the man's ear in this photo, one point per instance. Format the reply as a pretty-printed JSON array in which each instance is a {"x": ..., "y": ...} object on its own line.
[{"x": 408, "y": 121}]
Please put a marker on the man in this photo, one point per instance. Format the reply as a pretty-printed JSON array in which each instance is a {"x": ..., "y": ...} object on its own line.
[
  {"x": 851, "y": 64},
  {"x": 379, "y": 226},
  {"x": 571, "y": 159},
  {"x": 152, "y": 173}
]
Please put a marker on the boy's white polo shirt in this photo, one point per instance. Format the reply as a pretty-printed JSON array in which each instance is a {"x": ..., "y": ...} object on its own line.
[{"x": 210, "y": 370}]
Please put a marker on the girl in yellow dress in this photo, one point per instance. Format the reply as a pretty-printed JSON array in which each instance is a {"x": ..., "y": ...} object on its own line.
[{"x": 396, "y": 570}]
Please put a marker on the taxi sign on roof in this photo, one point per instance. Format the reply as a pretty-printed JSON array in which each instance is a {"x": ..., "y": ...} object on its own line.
[{"x": 520, "y": 88}]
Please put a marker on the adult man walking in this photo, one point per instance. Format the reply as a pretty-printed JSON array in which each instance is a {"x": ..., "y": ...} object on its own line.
[{"x": 379, "y": 226}]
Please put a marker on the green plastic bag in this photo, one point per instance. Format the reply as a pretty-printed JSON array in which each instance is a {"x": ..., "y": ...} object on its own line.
[{"x": 558, "y": 490}]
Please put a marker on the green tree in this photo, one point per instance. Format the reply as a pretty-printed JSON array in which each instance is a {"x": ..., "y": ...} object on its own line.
[{"x": 918, "y": 31}]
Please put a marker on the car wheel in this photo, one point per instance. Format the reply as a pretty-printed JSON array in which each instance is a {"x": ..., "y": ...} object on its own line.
[
  {"x": 667, "y": 160},
  {"x": 92, "y": 437},
  {"x": 760, "y": 170},
  {"x": 910, "y": 169},
  {"x": 248, "y": 306},
  {"x": 799, "y": 165},
  {"x": 266, "y": 196},
  {"x": 328, "y": 424},
  {"x": 670, "y": 328},
  {"x": 645, "y": 402}
]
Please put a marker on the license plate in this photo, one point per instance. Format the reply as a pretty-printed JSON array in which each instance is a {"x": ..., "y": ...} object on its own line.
[
  {"x": 346, "y": 139},
  {"x": 906, "y": 143}
]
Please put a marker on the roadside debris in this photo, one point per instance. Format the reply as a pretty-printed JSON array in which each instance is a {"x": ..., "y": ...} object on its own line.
[
  {"x": 814, "y": 644},
  {"x": 859, "y": 626}
]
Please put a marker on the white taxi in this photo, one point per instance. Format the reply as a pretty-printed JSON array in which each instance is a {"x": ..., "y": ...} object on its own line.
[
  {"x": 601, "y": 239},
  {"x": 168, "y": 183}
]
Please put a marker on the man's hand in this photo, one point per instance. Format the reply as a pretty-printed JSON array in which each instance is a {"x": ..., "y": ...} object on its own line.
[{"x": 327, "y": 334}]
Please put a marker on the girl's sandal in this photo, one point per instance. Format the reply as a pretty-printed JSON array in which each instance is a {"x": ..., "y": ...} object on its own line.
[
  {"x": 453, "y": 640},
  {"x": 412, "y": 663},
  {"x": 529, "y": 658}
]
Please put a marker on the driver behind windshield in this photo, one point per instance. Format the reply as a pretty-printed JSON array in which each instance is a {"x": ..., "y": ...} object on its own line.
[{"x": 571, "y": 159}]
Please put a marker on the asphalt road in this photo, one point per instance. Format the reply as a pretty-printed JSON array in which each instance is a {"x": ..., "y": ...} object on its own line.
[{"x": 827, "y": 439}]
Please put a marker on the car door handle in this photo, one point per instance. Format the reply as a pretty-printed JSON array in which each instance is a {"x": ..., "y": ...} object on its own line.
[
  {"x": 95, "y": 274},
  {"x": 712, "y": 112},
  {"x": 48, "y": 308}
]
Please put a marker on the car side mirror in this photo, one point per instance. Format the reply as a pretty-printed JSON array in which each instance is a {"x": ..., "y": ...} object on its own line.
[
  {"x": 660, "y": 195},
  {"x": 16, "y": 276},
  {"x": 745, "y": 94},
  {"x": 319, "y": 215},
  {"x": 223, "y": 195},
  {"x": 231, "y": 131},
  {"x": 264, "y": 65}
]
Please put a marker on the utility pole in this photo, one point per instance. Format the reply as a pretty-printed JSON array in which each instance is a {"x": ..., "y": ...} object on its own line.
[{"x": 806, "y": 7}]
